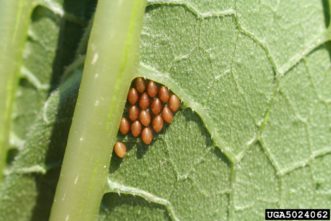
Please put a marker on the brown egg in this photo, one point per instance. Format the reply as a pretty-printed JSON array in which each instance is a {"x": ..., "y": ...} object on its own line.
[
  {"x": 147, "y": 135},
  {"x": 136, "y": 128},
  {"x": 156, "y": 106},
  {"x": 167, "y": 115},
  {"x": 120, "y": 149},
  {"x": 145, "y": 117},
  {"x": 133, "y": 96},
  {"x": 144, "y": 101},
  {"x": 164, "y": 94},
  {"x": 157, "y": 123},
  {"x": 133, "y": 113},
  {"x": 140, "y": 85},
  {"x": 174, "y": 103},
  {"x": 124, "y": 126},
  {"x": 152, "y": 89}
]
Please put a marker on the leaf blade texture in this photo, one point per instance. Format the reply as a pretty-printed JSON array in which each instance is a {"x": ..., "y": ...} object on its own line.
[{"x": 254, "y": 131}]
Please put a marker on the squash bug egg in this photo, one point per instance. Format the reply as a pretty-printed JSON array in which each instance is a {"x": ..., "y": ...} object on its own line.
[
  {"x": 157, "y": 123},
  {"x": 144, "y": 101},
  {"x": 167, "y": 115},
  {"x": 152, "y": 89},
  {"x": 156, "y": 106},
  {"x": 133, "y": 113},
  {"x": 164, "y": 94},
  {"x": 133, "y": 96},
  {"x": 150, "y": 106},
  {"x": 145, "y": 117},
  {"x": 147, "y": 135},
  {"x": 140, "y": 85},
  {"x": 120, "y": 149},
  {"x": 124, "y": 126},
  {"x": 136, "y": 128},
  {"x": 174, "y": 103}
]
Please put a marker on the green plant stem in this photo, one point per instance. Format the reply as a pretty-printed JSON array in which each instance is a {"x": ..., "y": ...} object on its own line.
[
  {"x": 14, "y": 23},
  {"x": 111, "y": 61}
]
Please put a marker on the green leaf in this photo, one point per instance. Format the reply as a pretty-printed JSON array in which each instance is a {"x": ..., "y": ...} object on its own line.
[
  {"x": 254, "y": 131},
  {"x": 28, "y": 190},
  {"x": 14, "y": 23},
  {"x": 258, "y": 75},
  {"x": 42, "y": 112},
  {"x": 52, "y": 41}
]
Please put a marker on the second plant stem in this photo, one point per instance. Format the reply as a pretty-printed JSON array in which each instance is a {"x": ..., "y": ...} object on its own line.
[{"x": 14, "y": 23}]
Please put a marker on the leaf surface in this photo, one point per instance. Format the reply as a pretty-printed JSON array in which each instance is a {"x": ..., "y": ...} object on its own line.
[
  {"x": 42, "y": 111},
  {"x": 253, "y": 133},
  {"x": 257, "y": 75}
]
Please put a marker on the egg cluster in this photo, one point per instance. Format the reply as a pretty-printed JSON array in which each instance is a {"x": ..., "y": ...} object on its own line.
[{"x": 149, "y": 107}]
